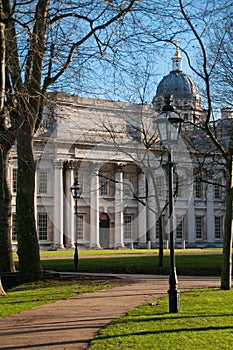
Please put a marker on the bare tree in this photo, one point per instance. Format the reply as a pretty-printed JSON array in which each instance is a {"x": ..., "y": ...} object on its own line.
[
  {"x": 214, "y": 14},
  {"x": 38, "y": 41}
]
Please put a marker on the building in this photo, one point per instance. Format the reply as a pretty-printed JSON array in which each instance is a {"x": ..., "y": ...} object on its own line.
[{"x": 114, "y": 152}]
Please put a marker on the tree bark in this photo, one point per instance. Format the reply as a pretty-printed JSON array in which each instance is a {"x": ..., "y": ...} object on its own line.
[
  {"x": 226, "y": 277},
  {"x": 6, "y": 258},
  {"x": 2, "y": 292},
  {"x": 28, "y": 246}
]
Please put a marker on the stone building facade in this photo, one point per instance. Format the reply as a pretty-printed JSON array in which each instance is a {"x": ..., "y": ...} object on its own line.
[{"x": 113, "y": 150}]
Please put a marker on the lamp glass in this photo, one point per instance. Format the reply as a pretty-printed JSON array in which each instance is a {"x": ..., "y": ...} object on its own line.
[
  {"x": 162, "y": 124},
  {"x": 76, "y": 189}
]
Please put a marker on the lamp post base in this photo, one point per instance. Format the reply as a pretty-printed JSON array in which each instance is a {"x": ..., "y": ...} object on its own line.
[{"x": 174, "y": 301}]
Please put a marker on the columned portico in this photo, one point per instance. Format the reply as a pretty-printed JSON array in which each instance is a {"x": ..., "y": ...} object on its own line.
[
  {"x": 94, "y": 208},
  {"x": 58, "y": 204},
  {"x": 119, "y": 208}
]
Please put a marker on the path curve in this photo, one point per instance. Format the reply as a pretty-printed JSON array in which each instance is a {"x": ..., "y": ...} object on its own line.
[{"x": 72, "y": 323}]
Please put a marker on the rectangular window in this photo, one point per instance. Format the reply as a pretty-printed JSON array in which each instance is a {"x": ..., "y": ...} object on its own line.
[
  {"x": 128, "y": 185},
  {"x": 104, "y": 185},
  {"x": 199, "y": 221},
  {"x": 14, "y": 180},
  {"x": 13, "y": 228},
  {"x": 218, "y": 229},
  {"x": 160, "y": 186},
  {"x": 43, "y": 227},
  {"x": 198, "y": 188},
  {"x": 127, "y": 228},
  {"x": 179, "y": 228},
  {"x": 217, "y": 191},
  {"x": 79, "y": 228},
  {"x": 42, "y": 181}
]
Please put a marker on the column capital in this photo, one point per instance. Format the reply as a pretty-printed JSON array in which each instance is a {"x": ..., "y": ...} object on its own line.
[
  {"x": 58, "y": 164},
  {"x": 69, "y": 164},
  {"x": 120, "y": 166}
]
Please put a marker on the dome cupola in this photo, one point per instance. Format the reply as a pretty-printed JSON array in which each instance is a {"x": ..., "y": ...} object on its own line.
[
  {"x": 177, "y": 83},
  {"x": 182, "y": 88}
]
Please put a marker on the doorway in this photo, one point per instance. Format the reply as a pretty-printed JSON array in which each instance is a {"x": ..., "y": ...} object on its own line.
[{"x": 104, "y": 225}]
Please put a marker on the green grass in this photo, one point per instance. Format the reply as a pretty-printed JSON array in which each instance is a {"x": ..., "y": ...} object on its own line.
[
  {"x": 109, "y": 252},
  {"x": 30, "y": 295},
  {"x": 205, "y": 322},
  {"x": 196, "y": 264}
]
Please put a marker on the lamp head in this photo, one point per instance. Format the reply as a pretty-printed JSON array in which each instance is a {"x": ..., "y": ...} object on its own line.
[{"x": 76, "y": 189}]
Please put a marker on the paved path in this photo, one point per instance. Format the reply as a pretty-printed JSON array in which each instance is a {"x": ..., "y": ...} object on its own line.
[{"x": 72, "y": 323}]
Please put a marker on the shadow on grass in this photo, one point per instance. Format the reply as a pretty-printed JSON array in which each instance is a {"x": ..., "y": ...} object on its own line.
[{"x": 166, "y": 331}]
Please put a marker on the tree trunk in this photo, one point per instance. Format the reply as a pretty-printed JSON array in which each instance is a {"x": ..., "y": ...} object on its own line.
[
  {"x": 226, "y": 276},
  {"x": 28, "y": 247},
  {"x": 2, "y": 292},
  {"x": 160, "y": 222},
  {"x": 6, "y": 258}
]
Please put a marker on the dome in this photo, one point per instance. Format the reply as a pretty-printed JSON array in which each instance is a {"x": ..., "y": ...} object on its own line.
[{"x": 178, "y": 84}]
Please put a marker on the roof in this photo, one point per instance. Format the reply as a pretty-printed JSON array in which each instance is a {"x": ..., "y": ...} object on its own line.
[{"x": 178, "y": 84}]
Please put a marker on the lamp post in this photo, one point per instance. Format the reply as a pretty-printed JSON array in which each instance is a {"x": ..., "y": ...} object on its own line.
[
  {"x": 169, "y": 125},
  {"x": 76, "y": 193}
]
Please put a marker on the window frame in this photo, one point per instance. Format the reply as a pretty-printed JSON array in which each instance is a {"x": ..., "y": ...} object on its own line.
[
  {"x": 79, "y": 223},
  {"x": 220, "y": 227},
  {"x": 128, "y": 228},
  {"x": 42, "y": 230},
  {"x": 42, "y": 185},
  {"x": 13, "y": 227},
  {"x": 14, "y": 179},
  {"x": 199, "y": 218}
]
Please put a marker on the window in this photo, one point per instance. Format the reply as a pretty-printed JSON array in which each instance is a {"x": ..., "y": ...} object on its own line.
[
  {"x": 14, "y": 180},
  {"x": 218, "y": 221},
  {"x": 43, "y": 227},
  {"x": 179, "y": 228},
  {"x": 198, "y": 188},
  {"x": 217, "y": 190},
  {"x": 128, "y": 185},
  {"x": 199, "y": 227},
  {"x": 104, "y": 185},
  {"x": 160, "y": 186},
  {"x": 42, "y": 181},
  {"x": 79, "y": 227},
  {"x": 13, "y": 228},
  {"x": 127, "y": 227}
]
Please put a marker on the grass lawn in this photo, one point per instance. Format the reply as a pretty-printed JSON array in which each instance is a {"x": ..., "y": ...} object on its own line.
[
  {"x": 69, "y": 253},
  {"x": 186, "y": 264},
  {"x": 204, "y": 323},
  {"x": 109, "y": 252},
  {"x": 30, "y": 295}
]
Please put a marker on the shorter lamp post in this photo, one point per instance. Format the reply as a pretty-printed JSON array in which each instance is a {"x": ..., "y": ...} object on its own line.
[
  {"x": 169, "y": 125},
  {"x": 76, "y": 193}
]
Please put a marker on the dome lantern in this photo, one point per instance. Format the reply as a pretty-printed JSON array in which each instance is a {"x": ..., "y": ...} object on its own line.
[{"x": 177, "y": 59}]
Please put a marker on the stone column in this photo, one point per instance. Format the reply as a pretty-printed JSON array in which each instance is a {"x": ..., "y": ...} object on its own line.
[
  {"x": 209, "y": 234},
  {"x": 191, "y": 233},
  {"x": 58, "y": 205},
  {"x": 141, "y": 219},
  {"x": 151, "y": 216},
  {"x": 69, "y": 227},
  {"x": 119, "y": 208},
  {"x": 94, "y": 209}
]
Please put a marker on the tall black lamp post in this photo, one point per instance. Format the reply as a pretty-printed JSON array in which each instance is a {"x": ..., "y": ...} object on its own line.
[
  {"x": 169, "y": 125},
  {"x": 76, "y": 193}
]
